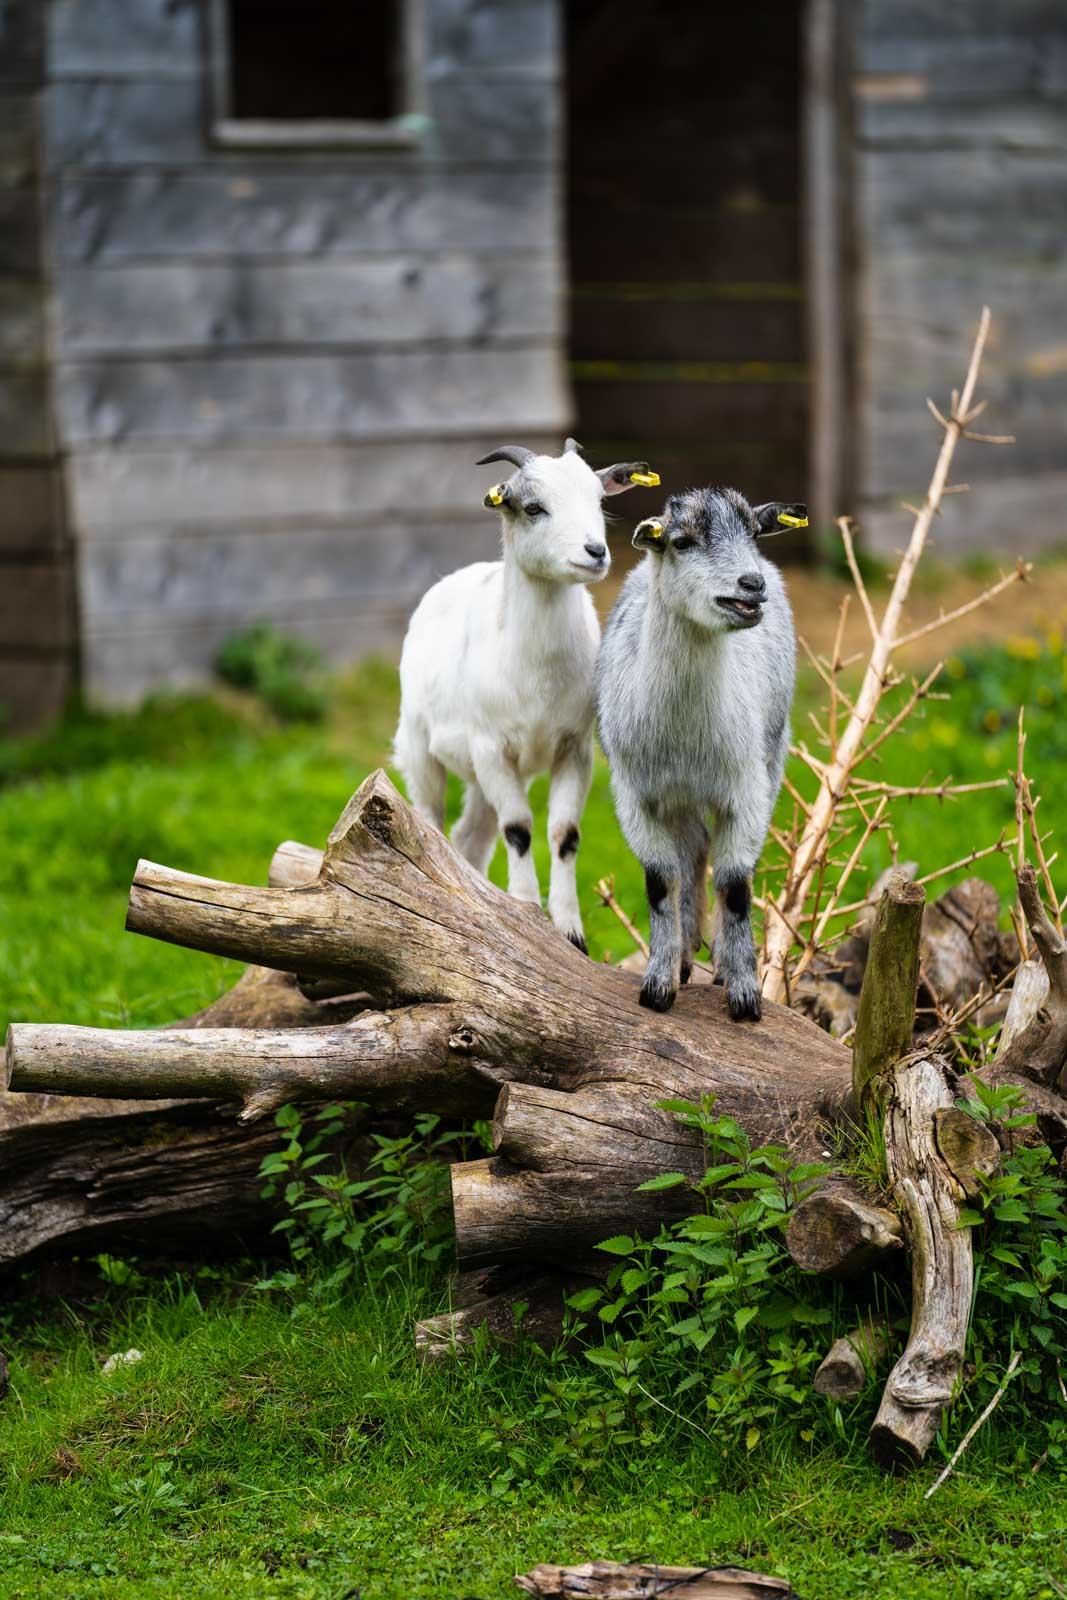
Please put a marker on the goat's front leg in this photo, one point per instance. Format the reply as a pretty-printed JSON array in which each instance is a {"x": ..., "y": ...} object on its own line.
[
  {"x": 663, "y": 857},
  {"x": 505, "y": 791},
  {"x": 571, "y": 773},
  {"x": 736, "y": 842},
  {"x": 694, "y": 901}
]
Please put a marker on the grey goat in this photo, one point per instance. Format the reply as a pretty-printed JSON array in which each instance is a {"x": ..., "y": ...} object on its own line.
[{"x": 694, "y": 684}]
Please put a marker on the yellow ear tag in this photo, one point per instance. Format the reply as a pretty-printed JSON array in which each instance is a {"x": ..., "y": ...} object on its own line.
[
  {"x": 650, "y": 528},
  {"x": 647, "y": 480},
  {"x": 792, "y": 522},
  {"x": 496, "y": 495}
]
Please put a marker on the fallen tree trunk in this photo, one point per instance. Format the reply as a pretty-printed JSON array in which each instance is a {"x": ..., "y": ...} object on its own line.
[
  {"x": 157, "y": 1173},
  {"x": 464, "y": 1001}
]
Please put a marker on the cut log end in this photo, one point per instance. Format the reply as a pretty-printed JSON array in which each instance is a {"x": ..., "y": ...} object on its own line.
[{"x": 839, "y": 1232}]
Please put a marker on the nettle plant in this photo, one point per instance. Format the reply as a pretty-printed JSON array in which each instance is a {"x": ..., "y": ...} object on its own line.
[
  {"x": 713, "y": 1309},
  {"x": 1020, "y": 1246},
  {"x": 395, "y": 1220}
]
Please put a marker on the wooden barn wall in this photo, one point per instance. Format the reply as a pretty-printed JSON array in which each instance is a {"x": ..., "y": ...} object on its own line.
[
  {"x": 36, "y": 612},
  {"x": 275, "y": 370},
  {"x": 961, "y": 190}
]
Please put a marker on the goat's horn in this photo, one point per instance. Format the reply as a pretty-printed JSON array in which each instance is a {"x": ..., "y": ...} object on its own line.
[
  {"x": 517, "y": 454},
  {"x": 570, "y": 446}
]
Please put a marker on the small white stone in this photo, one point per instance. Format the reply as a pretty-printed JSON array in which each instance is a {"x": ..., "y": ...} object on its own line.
[{"x": 129, "y": 1359}]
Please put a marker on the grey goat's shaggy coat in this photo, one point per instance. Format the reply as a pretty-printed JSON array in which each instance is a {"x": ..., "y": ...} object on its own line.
[{"x": 694, "y": 684}]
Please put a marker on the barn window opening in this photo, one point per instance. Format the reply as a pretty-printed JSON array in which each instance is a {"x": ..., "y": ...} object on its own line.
[{"x": 326, "y": 72}]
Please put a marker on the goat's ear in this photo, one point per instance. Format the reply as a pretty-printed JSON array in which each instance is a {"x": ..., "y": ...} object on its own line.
[
  {"x": 627, "y": 475},
  {"x": 499, "y": 495},
  {"x": 779, "y": 515},
  {"x": 648, "y": 535}
]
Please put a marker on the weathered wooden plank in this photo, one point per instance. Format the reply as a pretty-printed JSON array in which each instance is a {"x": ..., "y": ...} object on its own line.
[
  {"x": 116, "y": 491},
  {"x": 401, "y": 299},
  {"x": 22, "y": 322},
  {"x": 967, "y": 19},
  {"x": 21, "y": 245},
  {"x": 36, "y": 605},
  {"x": 435, "y": 391},
  {"x": 642, "y": 235},
  {"x": 516, "y": 37},
  {"x": 226, "y": 213},
  {"x": 122, "y": 664},
  {"x": 1010, "y": 515},
  {"x": 1025, "y": 125},
  {"x": 610, "y": 327},
  {"x": 243, "y": 574},
  {"x": 33, "y": 689},
  {"x": 25, "y": 417},
  {"x": 980, "y": 64},
  {"x": 1003, "y": 202},
  {"x": 31, "y": 510},
  {"x": 128, "y": 38},
  {"x": 18, "y": 138},
  {"x": 148, "y": 123},
  {"x": 687, "y": 411}
]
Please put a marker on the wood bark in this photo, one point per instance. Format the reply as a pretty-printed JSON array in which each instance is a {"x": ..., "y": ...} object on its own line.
[
  {"x": 852, "y": 1360},
  {"x": 928, "y": 1194},
  {"x": 158, "y": 1174},
  {"x": 609, "y": 1580},
  {"x": 886, "y": 1017}
]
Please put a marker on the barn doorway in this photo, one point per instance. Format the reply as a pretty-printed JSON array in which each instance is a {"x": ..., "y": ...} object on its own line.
[{"x": 687, "y": 314}]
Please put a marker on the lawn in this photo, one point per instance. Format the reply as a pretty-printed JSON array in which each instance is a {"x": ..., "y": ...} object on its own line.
[{"x": 254, "y": 1452}]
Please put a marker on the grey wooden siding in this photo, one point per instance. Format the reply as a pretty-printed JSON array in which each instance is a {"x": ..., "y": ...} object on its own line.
[
  {"x": 36, "y": 610},
  {"x": 961, "y": 188},
  {"x": 275, "y": 368}
]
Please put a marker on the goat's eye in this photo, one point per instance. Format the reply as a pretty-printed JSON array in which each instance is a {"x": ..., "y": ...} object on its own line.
[
  {"x": 534, "y": 508},
  {"x": 684, "y": 543}
]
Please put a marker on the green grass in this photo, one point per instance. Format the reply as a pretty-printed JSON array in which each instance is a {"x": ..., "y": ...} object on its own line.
[
  {"x": 249, "y": 1454},
  {"x": 255, "y": 1454}
]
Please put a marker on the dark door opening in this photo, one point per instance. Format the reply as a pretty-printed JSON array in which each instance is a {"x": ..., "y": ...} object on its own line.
[{"x": 685, "y": 232}]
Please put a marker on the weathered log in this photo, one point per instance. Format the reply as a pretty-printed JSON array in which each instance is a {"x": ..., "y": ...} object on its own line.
[
  {"x": 928, "y": 1193},
  {"x": 506, "y": 1307},
  {"x": 886, "y": 1017},
  {"x": 1039, "y": 1050},
  {"x": 1029, "y": 992},
  {"x": 160, "y": 1174},
  {"x": 852, "y": 1360},
  {"x": 608, "y": 1580},
  {"x": 839, "y": 1232}
]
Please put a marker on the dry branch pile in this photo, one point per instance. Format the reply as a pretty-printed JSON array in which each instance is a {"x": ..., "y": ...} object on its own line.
[{"x": 401, "y": 978}]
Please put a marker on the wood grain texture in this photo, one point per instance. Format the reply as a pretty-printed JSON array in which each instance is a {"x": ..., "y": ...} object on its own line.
[
  {"x": 886, "y": 1016},
  {"x": 452, "y": 298},
  {"x": 218, "y": 213},
  {"x": 928, "y": 1194},
  {"x": 311, "y": 397}
]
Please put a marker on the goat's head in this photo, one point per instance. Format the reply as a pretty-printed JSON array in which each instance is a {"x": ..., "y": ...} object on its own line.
[
  {"x": 704, "y": 544},
  {"x": 552, "y": 513}
]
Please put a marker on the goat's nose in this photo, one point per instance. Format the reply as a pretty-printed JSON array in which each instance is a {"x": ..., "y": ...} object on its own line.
[
  {"x": 596, "y": 551},
  {"x": 752, "y": 583}
]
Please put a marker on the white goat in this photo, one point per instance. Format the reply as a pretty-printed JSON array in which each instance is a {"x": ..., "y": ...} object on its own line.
[{"x": 496, "y": 675}]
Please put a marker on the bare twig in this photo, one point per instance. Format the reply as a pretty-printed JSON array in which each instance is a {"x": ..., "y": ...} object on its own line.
[
  {"x": 848, "y": 748},
  {"x": 845, "y": 524},
  {"x": 606, "y": 890},
  {"x": 973, "y": 1429},
  {"x": 1022, "y": 572}
]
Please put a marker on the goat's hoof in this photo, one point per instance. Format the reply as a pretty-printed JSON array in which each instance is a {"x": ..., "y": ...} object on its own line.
[
  {"x": 657, "y": 996},
  {"x": 686, "y": 972},
  {"x": 744, "y": 1002},
  {"x": 578, "y": 941}
]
